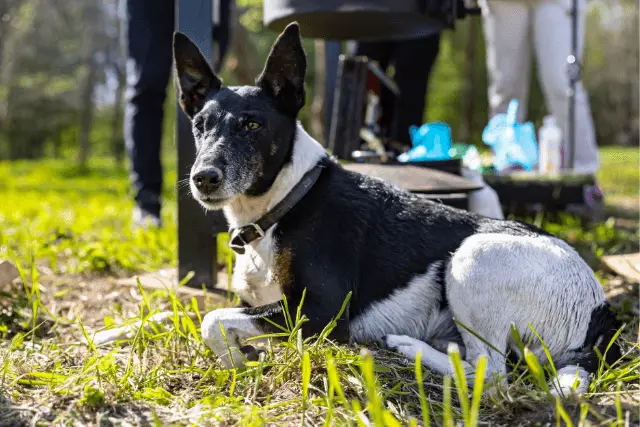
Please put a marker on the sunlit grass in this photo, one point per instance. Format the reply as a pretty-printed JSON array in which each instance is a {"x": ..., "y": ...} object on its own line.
[{"x": 53, "y": 215}]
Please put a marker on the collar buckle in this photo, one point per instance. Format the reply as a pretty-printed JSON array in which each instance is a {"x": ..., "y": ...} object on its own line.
[{"x": 242, "y": 236}]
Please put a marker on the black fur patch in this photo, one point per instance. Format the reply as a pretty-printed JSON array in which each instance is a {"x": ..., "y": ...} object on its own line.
[
  {"x": 441, "y": 273},
  {"x": 602, "y": 328}
]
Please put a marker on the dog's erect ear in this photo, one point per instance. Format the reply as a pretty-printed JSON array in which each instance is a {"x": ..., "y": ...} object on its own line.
[
  {"x": 283, "y": 74},
  {"x": 196, "y": 79}
]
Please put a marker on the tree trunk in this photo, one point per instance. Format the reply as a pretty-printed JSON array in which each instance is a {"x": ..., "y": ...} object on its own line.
[
  {"x": 88, "y": 85},
  {"x": 11, "y": 44},
  {"x": 86, "y": 115},
  {"x": 117, "y": 141}
]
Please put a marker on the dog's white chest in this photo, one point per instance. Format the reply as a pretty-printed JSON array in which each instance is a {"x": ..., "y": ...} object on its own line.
[{"x": 253, "y": 275}]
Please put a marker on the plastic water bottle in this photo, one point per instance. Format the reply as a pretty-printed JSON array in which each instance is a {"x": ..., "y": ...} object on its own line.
[{"x": 550, "y": 146}]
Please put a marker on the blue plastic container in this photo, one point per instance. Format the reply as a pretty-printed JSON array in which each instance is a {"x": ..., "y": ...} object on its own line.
[
  {"x": 514, "y": 144},
  {"x": 431, "y": 141}
]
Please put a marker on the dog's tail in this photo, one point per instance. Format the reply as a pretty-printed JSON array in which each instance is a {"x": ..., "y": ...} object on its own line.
[
  {"x": 128, "y": 331},
  {"x": 576, "y": 366}
]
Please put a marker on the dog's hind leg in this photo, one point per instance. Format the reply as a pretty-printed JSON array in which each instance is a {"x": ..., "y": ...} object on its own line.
[
  {"x": 430, "y": 357},
  {"x": 537, "y": 284}
]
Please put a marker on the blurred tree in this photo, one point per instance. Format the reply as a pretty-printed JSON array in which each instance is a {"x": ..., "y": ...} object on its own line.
[
  {"x": 91, "y": 15},
  {"x": 55, "y": 54}
]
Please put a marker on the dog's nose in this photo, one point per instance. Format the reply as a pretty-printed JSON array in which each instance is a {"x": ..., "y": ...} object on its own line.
[{"x": 207, "y": 180}]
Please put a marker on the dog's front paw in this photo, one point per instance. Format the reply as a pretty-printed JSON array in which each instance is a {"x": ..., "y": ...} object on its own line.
[{"x": 235, "y": 360}]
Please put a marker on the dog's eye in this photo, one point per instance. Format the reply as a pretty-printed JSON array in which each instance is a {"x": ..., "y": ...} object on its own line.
[
  {"x": 199, "y": 126},
  {"x": 251, "y": 125}
]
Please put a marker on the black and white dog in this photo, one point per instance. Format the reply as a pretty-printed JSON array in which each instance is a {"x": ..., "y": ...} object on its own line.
[{"x": 300, "y": 221}]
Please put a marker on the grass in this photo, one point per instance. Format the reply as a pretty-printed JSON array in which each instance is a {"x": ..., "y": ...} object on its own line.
[{"x": 70, "y": 232}]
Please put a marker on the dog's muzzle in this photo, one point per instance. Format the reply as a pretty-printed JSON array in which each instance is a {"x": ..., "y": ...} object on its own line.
[{"x": 207, "y": 181}]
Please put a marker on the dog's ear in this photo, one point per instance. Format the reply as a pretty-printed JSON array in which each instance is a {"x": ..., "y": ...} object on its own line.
[
  {"x": 196, "y": 79},
  {"x": 284, "y": 71}
]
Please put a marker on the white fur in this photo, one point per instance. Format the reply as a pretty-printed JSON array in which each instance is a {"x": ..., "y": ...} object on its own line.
[
  {"x": 434, "y": 359},
  {"x": 418, "y": 304},
  {"x": 252, "y": 274},
  {"x": 565, "y": 380},
  {"x": 494, "y": 280},
  {"x": 307, "y": 152},
  {"x": 237, "y": 326}
]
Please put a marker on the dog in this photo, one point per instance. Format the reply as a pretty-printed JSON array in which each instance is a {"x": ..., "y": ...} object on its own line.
[{"x": 420, "y": 275}]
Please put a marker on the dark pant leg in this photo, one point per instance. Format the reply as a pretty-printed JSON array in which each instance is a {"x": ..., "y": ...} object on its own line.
[
  {"x": 149, "y": 31},
  {"x": 413, "y": 61},
  {"x": 222, "y": 33}
]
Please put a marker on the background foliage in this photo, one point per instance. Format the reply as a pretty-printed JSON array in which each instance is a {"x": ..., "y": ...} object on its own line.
[{"x": 61, "y": 75}]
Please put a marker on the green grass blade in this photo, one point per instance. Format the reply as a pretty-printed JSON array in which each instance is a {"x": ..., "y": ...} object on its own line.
[
  {"x": 546, "y": 350},
  {"x": 478, "y": 387},
  {"x": 460, "y": 380},
  {"x": 536, "y": 371},
  {"x": 472, "y": 332},
  {"x": 561, "y": 413},
  {"x": 306, "y": 378},
  {"x": 424, "y": 404},
  {"x": 375, "y": 405},
  {"x": 447, "y": 416},
  {"x": 145, "y": 298},
  {"x": 603, "y": 362},
  {"x": 619, "y": 412},
  {"x": 390, "y": 420}
]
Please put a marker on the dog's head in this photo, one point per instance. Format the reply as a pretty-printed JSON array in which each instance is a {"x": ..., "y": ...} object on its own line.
[{"x": 244, "y": 134}]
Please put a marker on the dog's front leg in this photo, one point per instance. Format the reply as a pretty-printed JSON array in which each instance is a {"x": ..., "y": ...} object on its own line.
[{"x": 238, "y": 324}]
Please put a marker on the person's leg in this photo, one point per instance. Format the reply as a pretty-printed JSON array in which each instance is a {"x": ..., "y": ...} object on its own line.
[
  {"x": 149, "y": 31},
  {"x": 506, "y": 27},
  {"x": 222, "y": 31},
  {"x": 552, "y": 35},
  {"x": 413, "y": 61}
]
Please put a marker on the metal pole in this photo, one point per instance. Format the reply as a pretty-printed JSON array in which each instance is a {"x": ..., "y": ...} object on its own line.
[{"x": 573, "y": 71}]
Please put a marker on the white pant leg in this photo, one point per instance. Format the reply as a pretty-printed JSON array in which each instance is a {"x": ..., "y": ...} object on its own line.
[
  {"x": 507, "y": 26},
  {"x": 552, "y": 38}
]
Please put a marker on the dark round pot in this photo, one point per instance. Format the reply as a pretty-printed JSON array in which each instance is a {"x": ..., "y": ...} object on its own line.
[{"x": 353, "y": 19}]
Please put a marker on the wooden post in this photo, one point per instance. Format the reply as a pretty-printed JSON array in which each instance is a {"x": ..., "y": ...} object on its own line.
[{"x": 197, "y": 231}]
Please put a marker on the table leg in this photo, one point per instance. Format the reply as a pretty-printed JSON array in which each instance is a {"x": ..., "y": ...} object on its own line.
[{"x": 197, "y": 230}]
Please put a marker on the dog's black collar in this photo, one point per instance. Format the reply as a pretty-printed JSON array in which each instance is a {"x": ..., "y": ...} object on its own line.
[{"x": 242, "y": 236}]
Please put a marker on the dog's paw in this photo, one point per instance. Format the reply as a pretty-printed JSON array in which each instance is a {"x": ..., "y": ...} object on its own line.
[
  {"x": 571, "y": 381},
  {"x": 251, "y": 353},
  {"x": 403, "y": 344},
  {"x": 235, "y": 360}
]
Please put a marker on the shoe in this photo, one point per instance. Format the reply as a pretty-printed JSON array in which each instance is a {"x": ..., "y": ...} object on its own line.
[{"x": 145, "y": 219}]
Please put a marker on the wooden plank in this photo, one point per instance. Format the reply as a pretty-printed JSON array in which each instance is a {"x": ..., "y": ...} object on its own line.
[
  {"x": 627, "y": 266},
  {"x": 558, "y": 189},
  {"x": 567, "y": 178},
  {"x": 167, "y": 279},
  {"x": 196, "y": 231},
  {"x": 416, "y": 179}
]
